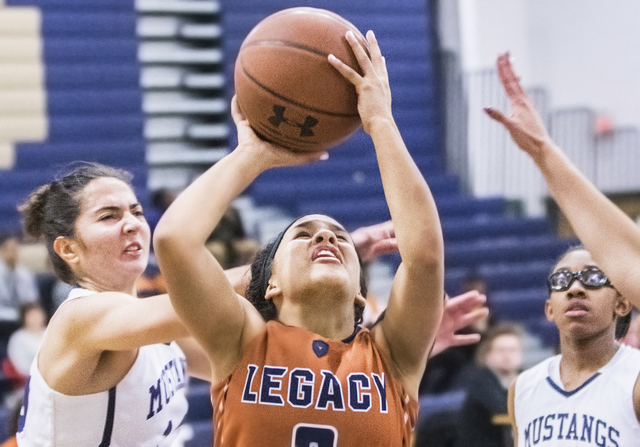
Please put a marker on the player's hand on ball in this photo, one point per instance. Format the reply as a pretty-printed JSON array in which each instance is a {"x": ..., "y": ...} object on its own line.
[
  {"x": 374, "y": 93},
  {"x": 266, "y": 154}
]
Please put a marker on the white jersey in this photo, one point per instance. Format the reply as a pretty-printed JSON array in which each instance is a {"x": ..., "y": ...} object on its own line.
[
  {"x": 598, "y": 413},
  {"x": 144, "y": 409}
]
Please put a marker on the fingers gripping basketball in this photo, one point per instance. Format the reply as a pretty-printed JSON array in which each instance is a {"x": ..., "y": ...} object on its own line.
[{"x": 287, "y": 89}]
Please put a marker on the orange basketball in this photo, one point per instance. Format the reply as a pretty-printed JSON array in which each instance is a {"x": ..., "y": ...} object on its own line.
[{"x": 286, "y": 88}]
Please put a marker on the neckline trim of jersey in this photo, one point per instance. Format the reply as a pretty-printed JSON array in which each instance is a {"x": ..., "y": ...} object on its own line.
[
  {"x": 572, "y": 392},
  {"x": 350, "y": 338}
]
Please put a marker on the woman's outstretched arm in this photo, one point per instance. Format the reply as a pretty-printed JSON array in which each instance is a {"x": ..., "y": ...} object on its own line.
[
  {"x": 416, "y": 302},
  {"x": 611, "y": 237}
]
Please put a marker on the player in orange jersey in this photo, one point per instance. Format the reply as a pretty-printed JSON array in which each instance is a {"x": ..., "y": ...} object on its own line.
[{"x": 297, "y": 372}]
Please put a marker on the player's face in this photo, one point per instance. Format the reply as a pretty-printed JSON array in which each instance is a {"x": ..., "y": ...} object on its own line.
[
  {"x": 581, "y": 312},
  {"x": 505, "y": 354},
  {"x": 9, "y": 250},
  {"x": 112, "y": 235},
  {"x": 317, "y": 251},
  {"x": 35, "y": 319}
]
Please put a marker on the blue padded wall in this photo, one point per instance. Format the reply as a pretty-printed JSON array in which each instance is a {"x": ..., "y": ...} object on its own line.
[
  {"x": 90, "y": 53},
  {"x": 403, "y": 29}
]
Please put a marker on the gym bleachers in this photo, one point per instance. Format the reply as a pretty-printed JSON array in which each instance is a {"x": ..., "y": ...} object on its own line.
[
  {"x": 198, "y": 420},
  {"x": 93, "y": 98},
  {"x": 199, "y": 396},
  {"x": 183, "y": 83},
  {"x": 96, "y": 107}
]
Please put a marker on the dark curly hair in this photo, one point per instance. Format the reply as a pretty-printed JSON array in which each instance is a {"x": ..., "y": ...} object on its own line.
[
  {"x": 261, "y": 269},
  {"x": 52, "y": 210}
]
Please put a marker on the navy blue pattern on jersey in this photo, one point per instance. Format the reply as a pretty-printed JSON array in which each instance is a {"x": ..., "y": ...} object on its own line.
[
  {"x": 572, "y": 392},
  {"x": 108, "y": 423},
  {"x": 172, "y": 378}
]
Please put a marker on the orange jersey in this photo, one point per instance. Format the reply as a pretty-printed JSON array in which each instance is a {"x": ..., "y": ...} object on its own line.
[
  {"x": 296, "y": 388},
  {"x": 11, "y": 442}
]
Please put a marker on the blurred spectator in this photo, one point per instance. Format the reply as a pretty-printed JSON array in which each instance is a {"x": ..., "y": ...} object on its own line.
[
  {"x": 483, "y": 419},
  {"x": 22, "y": 349},
  {"x": 372, "y": 310},
  {"x": 229, "y": 242},
  {"x": 445, "y": 372},
  {"x": 13, "y": 426},
  {"x": 633, "y": 335},
  {"x": 438, "y": 416},
  {"x": 160, "y": 201},
  {"x": 375, "y": 306},
  {"x": 17, "y": 283},
  {"x": 151, "y": 282},
  {"x": 53, "y": 291},
  {"x": 475, "y": 281},
  {"x": 25, "y": 342}
]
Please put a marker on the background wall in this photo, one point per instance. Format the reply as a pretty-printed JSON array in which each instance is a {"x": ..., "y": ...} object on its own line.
[
  {"x": 583, "y": 53},
  {"x": 579, "y": 62}
]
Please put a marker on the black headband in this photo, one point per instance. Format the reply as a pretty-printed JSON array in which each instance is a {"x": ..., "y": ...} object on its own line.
[{"x": 267, "y": 261}]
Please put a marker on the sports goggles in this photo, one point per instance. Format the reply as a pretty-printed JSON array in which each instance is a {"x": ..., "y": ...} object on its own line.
[{"x": 591, "y": 278}]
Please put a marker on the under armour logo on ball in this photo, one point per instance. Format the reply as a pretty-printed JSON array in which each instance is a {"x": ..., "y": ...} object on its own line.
[
  {"x": 278, "y": 115},
  {"x": 305, "y": 128},
  {"x": 278, "y": 118}
]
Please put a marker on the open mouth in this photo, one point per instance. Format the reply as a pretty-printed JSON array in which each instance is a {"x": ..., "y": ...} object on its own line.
[
  {"x": 134, "y": 247},
  {"x": 326, "y": 252}
]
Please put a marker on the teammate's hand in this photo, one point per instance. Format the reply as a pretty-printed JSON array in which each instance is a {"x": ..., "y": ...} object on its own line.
[
  {"x": 375, "y": 240},
  {"x": 459, "y": 312}
]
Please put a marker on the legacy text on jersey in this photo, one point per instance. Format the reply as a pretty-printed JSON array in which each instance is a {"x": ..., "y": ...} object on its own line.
[{"x": 269, "y": 386}]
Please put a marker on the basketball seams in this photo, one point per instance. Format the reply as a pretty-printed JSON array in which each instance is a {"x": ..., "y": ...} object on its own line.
[
  {"x": 286, "y": 43},
  {"x": 292, "y": 143},
  {"x": 282, "y": 139},
  {"x": 286, "y": 87},
  {"x": 301, "y": 105},
  {"x": 308, "y": 11}
]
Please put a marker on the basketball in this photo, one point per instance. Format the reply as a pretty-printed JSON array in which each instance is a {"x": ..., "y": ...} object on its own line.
[{"x": 285, "y": 86}]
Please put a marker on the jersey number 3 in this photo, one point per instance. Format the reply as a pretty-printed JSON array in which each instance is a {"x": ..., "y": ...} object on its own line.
[{"x": 311, "y": 435}]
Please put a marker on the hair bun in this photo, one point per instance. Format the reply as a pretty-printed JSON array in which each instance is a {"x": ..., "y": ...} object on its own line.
[{"x": 33, "y": 210}]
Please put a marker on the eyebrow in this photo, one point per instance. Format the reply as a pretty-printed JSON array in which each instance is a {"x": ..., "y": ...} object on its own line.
[
  {"x": 332, "y": 227},
  {"x": 567, "y": 269},
  {"x": 117, "y": 208}
]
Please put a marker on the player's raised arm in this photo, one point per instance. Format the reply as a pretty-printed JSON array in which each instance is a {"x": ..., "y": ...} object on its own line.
[
  {"x": 416, "y": 302},
  {"x": 611, "y": 237},
  {"x": 200, "y": 291}
]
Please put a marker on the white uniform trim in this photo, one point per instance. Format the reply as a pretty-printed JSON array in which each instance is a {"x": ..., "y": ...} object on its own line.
[
  {"x": 600, "y": 412},
  {"x": 144, "y": 409}
]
